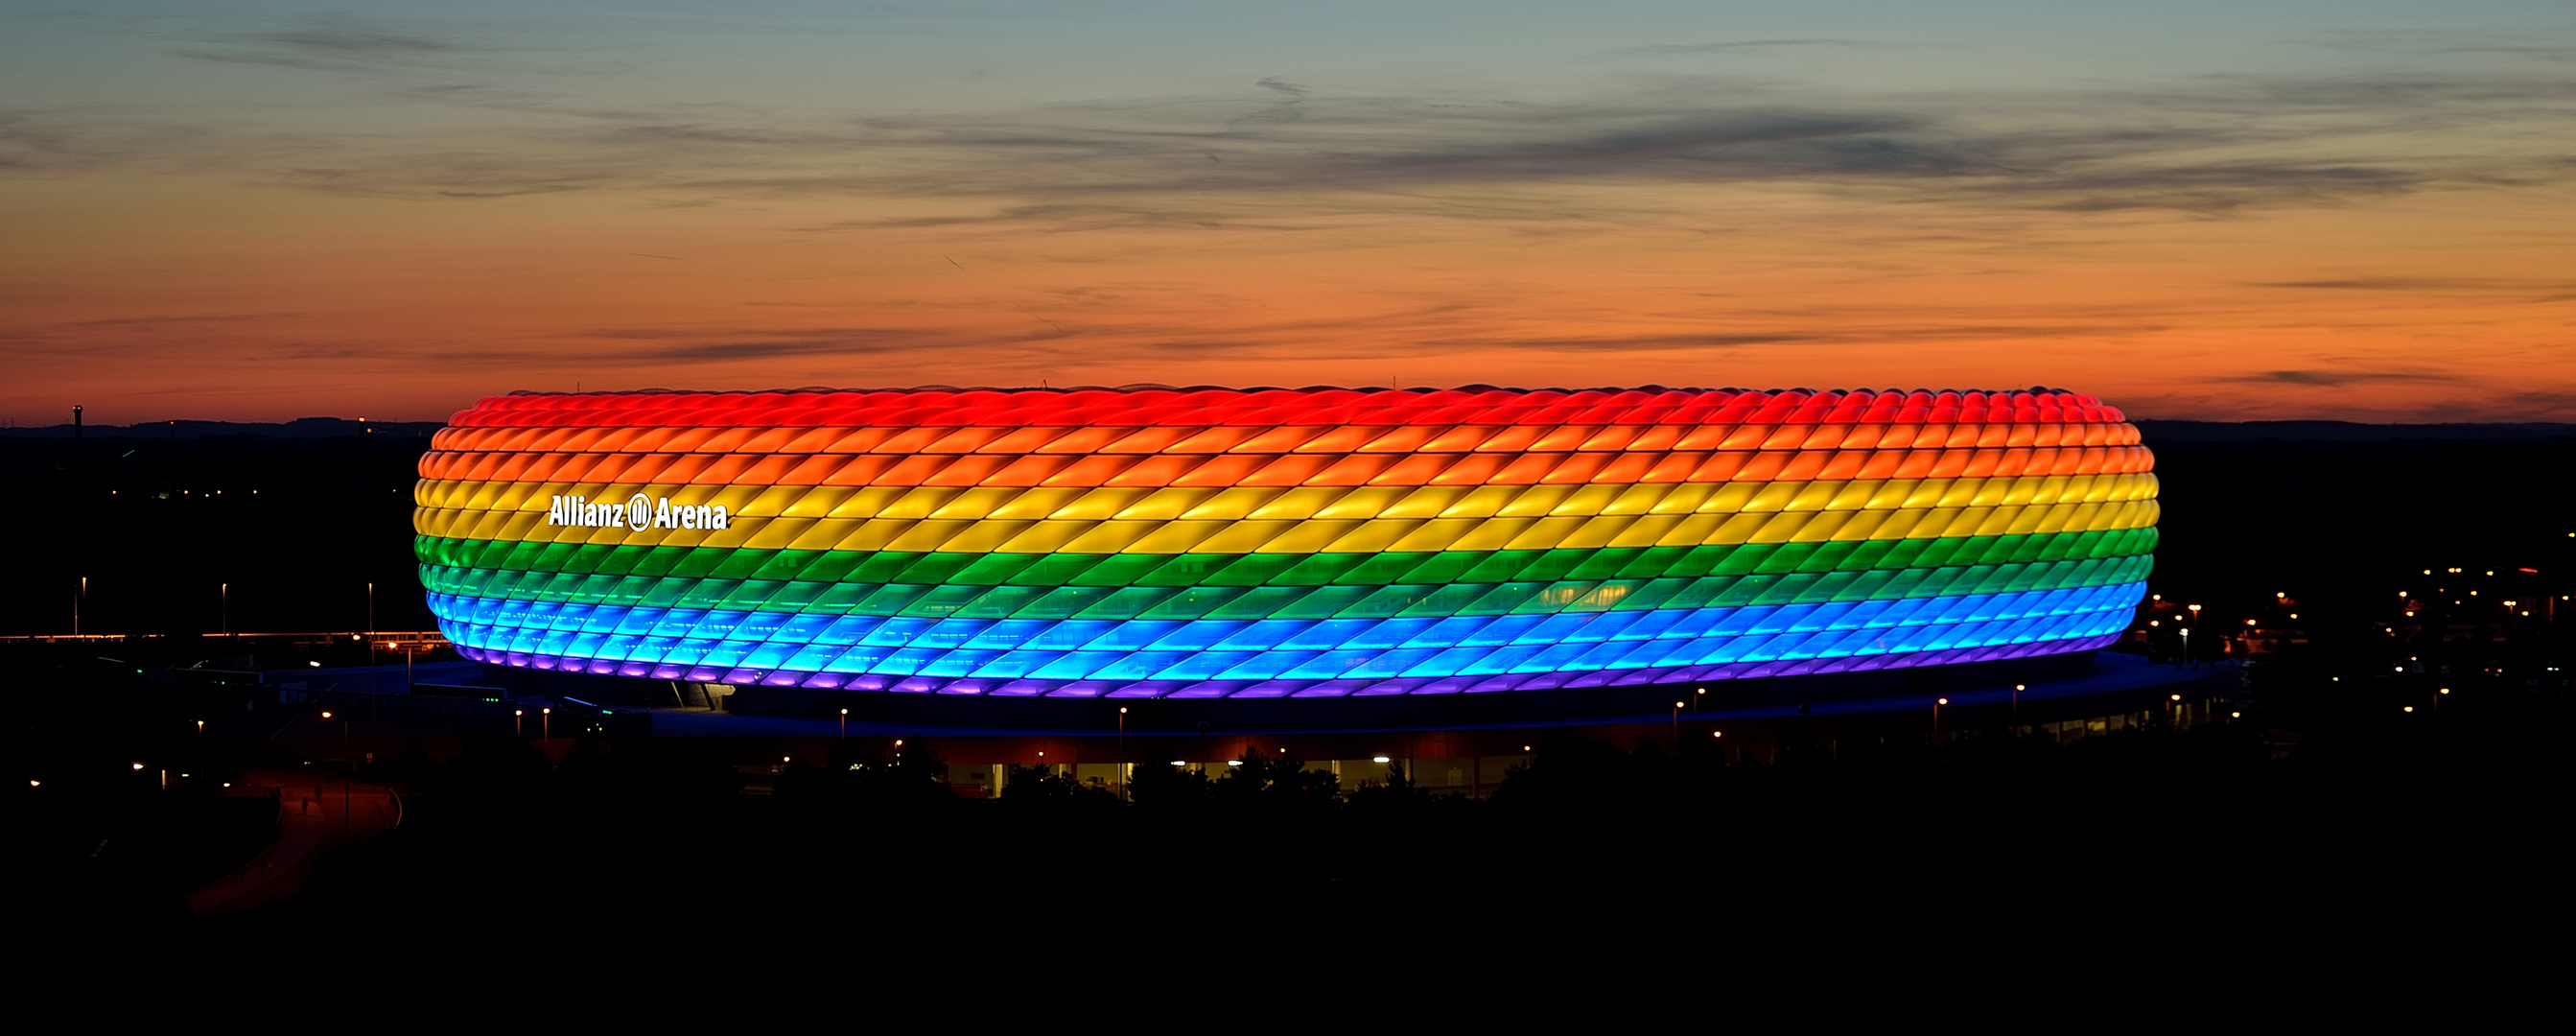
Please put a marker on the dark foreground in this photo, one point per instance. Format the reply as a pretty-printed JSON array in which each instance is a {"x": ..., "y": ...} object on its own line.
[{"x": 2367, "y": 817}]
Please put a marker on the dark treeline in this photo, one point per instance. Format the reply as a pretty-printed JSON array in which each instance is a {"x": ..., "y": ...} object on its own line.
[
  {"x": 2442, "y": 805},
  {"x": 298, "y": 526},
  {"x": 193, "y": 535},
  {"x": 2315, "y": 808}
]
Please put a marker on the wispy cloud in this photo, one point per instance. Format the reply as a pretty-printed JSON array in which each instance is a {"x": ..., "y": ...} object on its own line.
[
  {"x": 1732, "y": 46},
  {"x": 2212, "y": 145},
  {"x": 2422, "y": 284},
  {"x": 2339, "y": 378}
]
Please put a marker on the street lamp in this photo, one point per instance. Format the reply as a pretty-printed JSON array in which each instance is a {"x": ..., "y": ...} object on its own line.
[
  {"x": 1936, "y": 716},
  {"x": 516, "y": 727},
  {"x": 1677, "y": 724},
  {"x": 546, "y": 724},
  {"x": 845, "y": 723}
]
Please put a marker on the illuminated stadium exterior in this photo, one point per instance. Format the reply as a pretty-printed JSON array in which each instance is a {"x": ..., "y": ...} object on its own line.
[{"x": 1206, "y": 543}]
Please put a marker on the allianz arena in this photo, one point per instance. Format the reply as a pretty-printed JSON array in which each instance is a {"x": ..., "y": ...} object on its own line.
[{"x": 1212, "y": 543}]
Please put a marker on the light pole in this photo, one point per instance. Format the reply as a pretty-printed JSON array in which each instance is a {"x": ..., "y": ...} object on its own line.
[
  {"x": 1677, "y": 725},
  {"x": 546, "y": 724},
  {"x": 2186, "y": 632},
  {"x": 224, "y": 608},
  {"x": 344, "y": 731},
  {"x": 76, "y": 604},
  {"x": 845, "y": 723},
  {"x": 1122, "y": 729},
  {"x": 1936, "y": 716},
  {"x": 2017, "y": 689},
  {"x": 517, "y": 725}
]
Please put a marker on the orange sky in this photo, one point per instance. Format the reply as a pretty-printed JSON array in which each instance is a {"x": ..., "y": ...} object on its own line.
[{"x": 2254, "y": 258}]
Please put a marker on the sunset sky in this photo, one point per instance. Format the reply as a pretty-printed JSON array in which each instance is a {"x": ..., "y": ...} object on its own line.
[{"x": 2230, "y": 211}]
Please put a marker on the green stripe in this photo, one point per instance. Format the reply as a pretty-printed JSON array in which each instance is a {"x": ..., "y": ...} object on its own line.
[
  {"x": 1463, "y": 583},
  {"x": 1461, "y": 566}
]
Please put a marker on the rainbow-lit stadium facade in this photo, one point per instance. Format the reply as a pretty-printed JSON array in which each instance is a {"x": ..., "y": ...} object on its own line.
[{"x": 1150, "y": 542}]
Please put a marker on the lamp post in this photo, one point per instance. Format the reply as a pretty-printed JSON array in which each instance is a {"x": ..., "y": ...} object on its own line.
[
  {"x": 2017, "y": 689},
  {"x": 517, "y": 729},
  {"x": 1677, "y": 724},
  {"x": 2186, "y": 632},
  {"x": 546, "y": 724},
  {"x": 224, "y": 608},
  {"x": 1936, "y": 716},
  {"x": 845, "y": 723}
]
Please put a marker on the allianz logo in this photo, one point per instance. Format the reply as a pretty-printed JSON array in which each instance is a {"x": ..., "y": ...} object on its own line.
[{"x": 639, "y": 513}]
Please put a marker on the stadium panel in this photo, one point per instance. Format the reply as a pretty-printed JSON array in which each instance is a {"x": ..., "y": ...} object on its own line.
[{"x": 1263, "y": 543}]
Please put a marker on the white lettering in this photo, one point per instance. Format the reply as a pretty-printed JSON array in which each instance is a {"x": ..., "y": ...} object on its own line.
[
  {"x": 718, "y": 517},
  {"x": 639, "y": 513}
]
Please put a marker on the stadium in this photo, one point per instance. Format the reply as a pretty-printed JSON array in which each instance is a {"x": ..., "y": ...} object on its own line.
[{"x": 1293, "y": 554}]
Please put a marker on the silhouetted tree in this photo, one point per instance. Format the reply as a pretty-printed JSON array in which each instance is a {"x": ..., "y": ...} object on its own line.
[
  {"x": 1170, "y": 787},
  {"x": 1396, "y": 792},
  {"x": 1277, "y": 779}
]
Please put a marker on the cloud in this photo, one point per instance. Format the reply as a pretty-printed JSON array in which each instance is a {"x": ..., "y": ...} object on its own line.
[
  {"x": 2210, "y": 145},
  {"x": 2337, "y": 378},
  {"x": 2419, "y": 284},
  {"x": 148, "y": 323},
  {"x": 1654, "y": 49},
  {"x": 356, "y": 41},
  {"x": 675, "y": 346}
]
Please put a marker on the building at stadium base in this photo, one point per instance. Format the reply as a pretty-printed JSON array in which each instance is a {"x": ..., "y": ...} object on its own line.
[{"x": 1286, "y": 547}]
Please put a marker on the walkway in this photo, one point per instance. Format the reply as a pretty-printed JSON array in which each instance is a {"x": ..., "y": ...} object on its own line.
[{"x": 319, "y": 809}]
